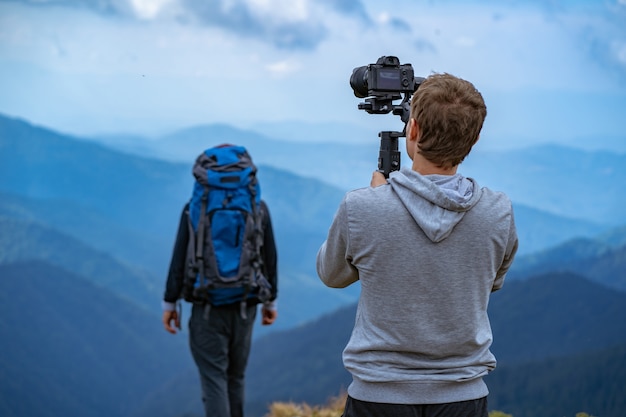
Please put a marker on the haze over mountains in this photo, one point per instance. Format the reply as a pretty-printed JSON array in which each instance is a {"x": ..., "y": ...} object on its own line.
[
  {"x": 571, "y": 182},
  {"x": 87, "y": 230}
]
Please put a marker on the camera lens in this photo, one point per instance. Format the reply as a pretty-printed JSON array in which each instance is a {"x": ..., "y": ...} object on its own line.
[{"x": 358, "y": 81}]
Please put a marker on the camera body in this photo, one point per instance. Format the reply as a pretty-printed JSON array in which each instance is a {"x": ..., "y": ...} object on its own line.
[
  {"x": 380, "y": 84},
  {"x": 383, "y": 82}
]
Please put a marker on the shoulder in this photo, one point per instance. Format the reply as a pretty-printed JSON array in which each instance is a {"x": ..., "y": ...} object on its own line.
[
  {"x": 368, "y": 200},
  {"x": 367, "y": 194},
  {"x": 492, "y": 197},
  {"x": 494, "y": 205}
]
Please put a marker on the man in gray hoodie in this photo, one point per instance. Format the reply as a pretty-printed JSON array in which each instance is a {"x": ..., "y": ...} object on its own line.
[{"x": 428, "y": 246}]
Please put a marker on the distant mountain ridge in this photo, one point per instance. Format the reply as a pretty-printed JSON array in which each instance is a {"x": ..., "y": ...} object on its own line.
[
  {"x": 596, "y": 259},
  {"x": 133, "y": 205},
  {"x": 566, "y": 181},
  {"x": 142, "y": 198},
  {"x": 39, "y": 163},
  {"x": 346, "y": 166},
  {"x": 80, "y": 222},
  {"x": 72, "y": 169},
  {"x": 28, "y": 241}
]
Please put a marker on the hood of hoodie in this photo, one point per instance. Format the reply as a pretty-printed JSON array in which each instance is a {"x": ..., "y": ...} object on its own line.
[{"x": 436, "y": 202}]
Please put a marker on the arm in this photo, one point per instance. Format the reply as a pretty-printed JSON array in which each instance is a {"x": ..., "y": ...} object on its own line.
[
  {"x": 270, "y": 263},
  {"x": 334, "y": 262},
  {"x": 175, "y": 276},
  {"x": 509, "y": 255}
]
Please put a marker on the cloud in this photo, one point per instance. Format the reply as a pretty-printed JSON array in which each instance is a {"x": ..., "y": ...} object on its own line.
[
  {"x": 400, "y": 24},
  {"x": 385, "y": 18},
  {"x": 201, "y": 57},
  {"x": 149, "y": 9},
  {"x": 351, "y": 8},
  {"x": 286, "y": 27},
  {"x": 601, "y": 37},
  {"x": 283, "y": 68},
  {"x": 424, "y": 46},
  {"x": 285, "y": 24},
  {"x": 104, "y": 7}
]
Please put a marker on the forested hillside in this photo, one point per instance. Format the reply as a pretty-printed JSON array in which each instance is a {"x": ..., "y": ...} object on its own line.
[
  {"x": 558, "y": 334},
  {"x": 74, "y": 348},
  {"x": 555, "y": 321},
  {"x": 602, "y": 260},
  {"x": 593, "y": 382},
  {"x": 28, "y": 241}
]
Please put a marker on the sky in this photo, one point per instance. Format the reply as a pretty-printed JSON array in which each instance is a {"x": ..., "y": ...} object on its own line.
[{"x": 549, "y": 70}]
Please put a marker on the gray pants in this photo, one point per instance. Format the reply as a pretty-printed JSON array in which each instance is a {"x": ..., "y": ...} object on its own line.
[{"x": 220, "y": 346}]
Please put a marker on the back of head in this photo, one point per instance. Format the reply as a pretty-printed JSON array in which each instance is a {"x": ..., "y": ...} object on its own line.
[{"x": 450, "y": 113}]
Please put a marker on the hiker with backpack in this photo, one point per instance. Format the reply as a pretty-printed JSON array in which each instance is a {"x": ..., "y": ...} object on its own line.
[{"x": 224, "y": 262}]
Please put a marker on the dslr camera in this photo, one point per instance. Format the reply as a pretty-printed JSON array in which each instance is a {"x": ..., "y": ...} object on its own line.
[{"x": 381, "y": 84}]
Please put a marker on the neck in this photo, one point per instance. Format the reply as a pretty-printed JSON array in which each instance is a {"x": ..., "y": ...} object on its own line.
[{"x": 425, "y": 167}]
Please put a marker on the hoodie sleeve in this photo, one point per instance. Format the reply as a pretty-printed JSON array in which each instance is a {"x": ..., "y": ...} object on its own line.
[
  {"x": 269, "y": 253},
  {"x": 334, "y": 262},
  {"x": 511, "y": 250},
  {"x": 176, "y": 273}
]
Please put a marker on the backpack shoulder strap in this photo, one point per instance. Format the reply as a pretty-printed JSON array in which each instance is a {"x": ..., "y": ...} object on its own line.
[{"x": 199, "y": 255}]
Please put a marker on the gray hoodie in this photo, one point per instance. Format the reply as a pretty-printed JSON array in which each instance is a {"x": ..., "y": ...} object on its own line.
[{"x": 428, "y": 251}]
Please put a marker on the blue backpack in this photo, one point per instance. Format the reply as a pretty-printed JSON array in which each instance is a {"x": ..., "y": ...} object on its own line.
[{"x": 224, "y": 262}]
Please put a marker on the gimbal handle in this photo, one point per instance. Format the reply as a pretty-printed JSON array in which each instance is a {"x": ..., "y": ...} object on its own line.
[{"x": 389, "y": 156}]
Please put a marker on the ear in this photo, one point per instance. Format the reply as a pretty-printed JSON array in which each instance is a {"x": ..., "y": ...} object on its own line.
[{"x": 412, "y": 130}]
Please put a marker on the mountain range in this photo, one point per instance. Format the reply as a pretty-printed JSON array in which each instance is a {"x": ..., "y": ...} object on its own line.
[
  {"x": 87, "y": 230},
  {"x": 116, "y": 202},
  {"x": 560, "y": 340},
  {"x": 558, "y": 320},
  {"x": 72, "y": 348},
  {"x": 566, "y": 181}
]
